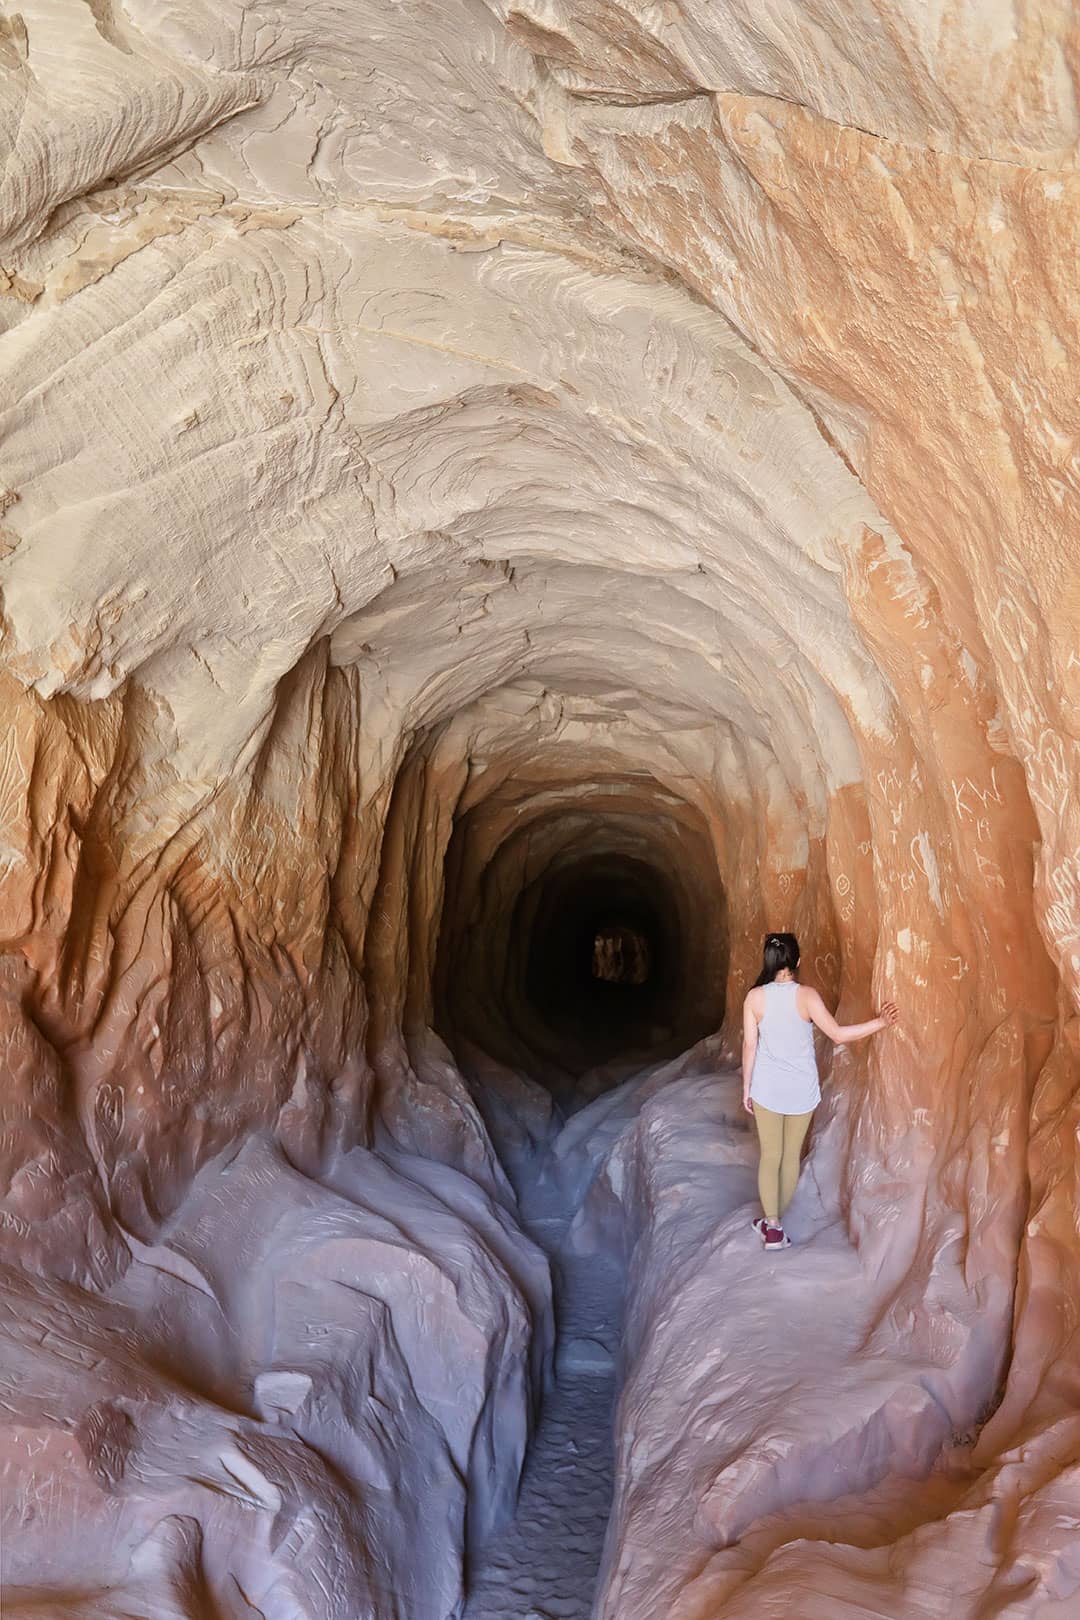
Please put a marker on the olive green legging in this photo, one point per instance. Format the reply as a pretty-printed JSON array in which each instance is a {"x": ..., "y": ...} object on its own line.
[{"x": 780, "y": 1137}]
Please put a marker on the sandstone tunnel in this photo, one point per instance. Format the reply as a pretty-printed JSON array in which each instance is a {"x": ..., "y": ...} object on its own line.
[{"x": 501, "y": 507}]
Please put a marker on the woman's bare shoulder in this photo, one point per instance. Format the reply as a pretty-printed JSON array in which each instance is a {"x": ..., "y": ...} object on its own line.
[
  {"x": 755, "y": 998},
  {"x": 808, "y": 999}
]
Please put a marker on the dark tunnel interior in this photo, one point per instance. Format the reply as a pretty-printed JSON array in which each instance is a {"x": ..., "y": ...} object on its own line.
[
  {"x": 581, "y": 937},
  {"x": 590, "y": 1016}
]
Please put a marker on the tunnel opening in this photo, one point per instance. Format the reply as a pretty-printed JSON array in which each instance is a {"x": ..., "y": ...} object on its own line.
[
  {"x": 604, "y": 961},
  {"x": 620, "y": 955},
  {"x": 584, "y": 926}
]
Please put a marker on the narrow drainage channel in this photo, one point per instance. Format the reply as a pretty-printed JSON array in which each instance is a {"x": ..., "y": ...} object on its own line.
[{"x": 544, "y": 1563}]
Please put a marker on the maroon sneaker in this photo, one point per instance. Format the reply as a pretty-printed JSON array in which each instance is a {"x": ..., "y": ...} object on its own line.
[
  {"x": 760, "y": 1226},
  {"x": 776, "y": 1238}
]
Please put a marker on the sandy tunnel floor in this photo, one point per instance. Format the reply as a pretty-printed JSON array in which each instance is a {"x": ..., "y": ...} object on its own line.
[{"x": 543, "y": 1565}]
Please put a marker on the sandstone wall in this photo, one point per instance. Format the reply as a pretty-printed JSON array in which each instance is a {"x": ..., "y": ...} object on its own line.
[{"x": 423, "y": 427}]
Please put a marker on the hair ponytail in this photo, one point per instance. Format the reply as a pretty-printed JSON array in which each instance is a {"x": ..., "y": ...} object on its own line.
[{"x": 781, "y": 951}]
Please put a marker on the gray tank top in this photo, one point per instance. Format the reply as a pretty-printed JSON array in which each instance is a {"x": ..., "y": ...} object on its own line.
[{"x": 785, "y": 1077}]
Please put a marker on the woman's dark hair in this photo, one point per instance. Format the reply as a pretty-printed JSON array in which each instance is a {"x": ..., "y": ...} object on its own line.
[{"x": 781, "y": 951}]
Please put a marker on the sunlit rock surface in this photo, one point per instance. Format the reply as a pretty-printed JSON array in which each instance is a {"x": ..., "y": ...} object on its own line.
[{"x": 464, "y": 466}]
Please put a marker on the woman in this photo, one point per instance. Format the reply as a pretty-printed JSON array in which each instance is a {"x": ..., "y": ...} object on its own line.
[{"x": 780, "y": 1078}]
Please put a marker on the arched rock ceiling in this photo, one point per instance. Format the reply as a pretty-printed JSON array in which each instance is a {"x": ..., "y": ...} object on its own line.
[
  {"x": 474, "y": 426},
  {"x": 289, "y": 349}
]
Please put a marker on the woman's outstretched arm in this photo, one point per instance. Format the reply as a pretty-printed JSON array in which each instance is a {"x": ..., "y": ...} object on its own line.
[
  {"x": 749, "y": 1050},
  {"x": 842, "y": 1033}
]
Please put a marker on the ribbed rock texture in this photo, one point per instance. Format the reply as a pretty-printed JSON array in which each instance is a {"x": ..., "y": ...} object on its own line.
[{"x": 469, "y": 468}]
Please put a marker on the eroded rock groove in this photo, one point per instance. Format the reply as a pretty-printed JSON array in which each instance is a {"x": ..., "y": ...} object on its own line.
[{"x": 545, "y": 1563}]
